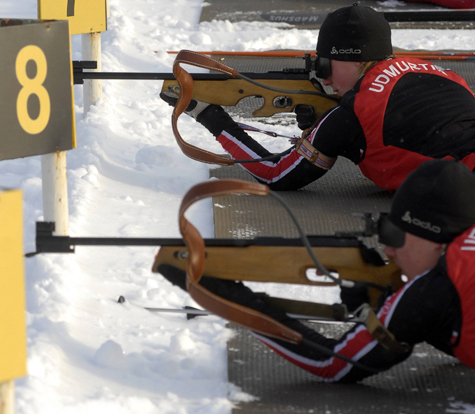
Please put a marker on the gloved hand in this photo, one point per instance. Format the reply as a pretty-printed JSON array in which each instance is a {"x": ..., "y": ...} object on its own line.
[
  {"x": 305, "y": 116},
  {"x": 193, "y": 109}
]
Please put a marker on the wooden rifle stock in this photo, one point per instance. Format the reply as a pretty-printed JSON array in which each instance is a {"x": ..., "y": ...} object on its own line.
[
  {"x": 281, "y": 261},
  {"x": 281, "y": 90},
  {"x": 230, "y": 91},
  {"x": 288, "y": 264}
]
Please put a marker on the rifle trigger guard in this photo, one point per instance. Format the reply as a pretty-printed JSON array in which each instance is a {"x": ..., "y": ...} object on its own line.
[
  {"x": 360, "y": 314},
  {"x": 174, "y": 88}
]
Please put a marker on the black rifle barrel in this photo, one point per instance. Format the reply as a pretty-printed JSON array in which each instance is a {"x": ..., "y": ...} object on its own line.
[
  {"x": 323, "y": 241},
  {"x": 46, "y": 242},
  {"x": 195, "y": 76}
]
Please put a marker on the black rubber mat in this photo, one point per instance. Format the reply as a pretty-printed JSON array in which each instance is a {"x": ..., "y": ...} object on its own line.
[
  {"x": 429, "y": 382},
  {"x": 251, "y": 10},
  {"x": 323, "y": 207}
]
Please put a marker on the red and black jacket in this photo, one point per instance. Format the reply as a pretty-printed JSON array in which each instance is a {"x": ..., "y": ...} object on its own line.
[
  {"x": 410, "y": 112},
  {"x": 460, "y": 268}
]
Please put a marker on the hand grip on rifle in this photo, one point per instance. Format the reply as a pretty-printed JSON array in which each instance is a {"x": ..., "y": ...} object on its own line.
[
  {"x": 306, "y": 116},
  {"x": 193, "y": 109}
]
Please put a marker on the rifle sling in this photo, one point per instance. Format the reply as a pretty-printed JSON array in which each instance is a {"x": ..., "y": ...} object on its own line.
[
  {"x": 185, "y": 82},
  {"x": 379, "y": 332},
  {"x": 233, "y": 312}
]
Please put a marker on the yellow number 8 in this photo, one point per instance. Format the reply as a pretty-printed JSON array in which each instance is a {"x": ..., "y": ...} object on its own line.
[{"x": 32, "y": 86}]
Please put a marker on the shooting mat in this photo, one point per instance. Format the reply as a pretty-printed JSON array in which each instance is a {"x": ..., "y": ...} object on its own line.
[{"x": 428, "y": 382}]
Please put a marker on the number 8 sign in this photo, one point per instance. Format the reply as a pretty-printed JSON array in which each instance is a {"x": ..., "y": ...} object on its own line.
[
  {"x": 37, "y": 105},
  {"x": 30, "y": 87}
]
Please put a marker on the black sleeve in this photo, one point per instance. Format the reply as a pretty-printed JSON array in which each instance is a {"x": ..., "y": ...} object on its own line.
[
  {"x": 429, "y": 311},
  {"x": 286, "y": 171},
  {"x": 216, "y": 120},
  {"x": 339, "y": 133}
]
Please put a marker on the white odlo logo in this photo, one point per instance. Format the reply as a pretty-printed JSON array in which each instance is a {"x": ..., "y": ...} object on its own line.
[
  {"x": 350, "y": 51},
  {"x": 417, "y": 222}
]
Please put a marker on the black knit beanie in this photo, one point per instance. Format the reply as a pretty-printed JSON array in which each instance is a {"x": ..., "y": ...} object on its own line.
[
  {"x": 436, "y": 201},
  {"x": 355, "y": 33}
]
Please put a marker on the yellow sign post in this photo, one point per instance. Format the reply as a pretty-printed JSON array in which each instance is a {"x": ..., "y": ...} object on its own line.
[
  {"x": 88, "y": 18},
  {"x": 85, "y": 16},
  {"x": 12, "y": 296},
  {"x": 37, "y": 105}
]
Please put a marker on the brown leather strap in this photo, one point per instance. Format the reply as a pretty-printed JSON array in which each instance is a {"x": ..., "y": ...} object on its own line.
[
  {"x": 238, "y": 314},
  {"x": 185, "y": 81},
  {"x": 309, "y": 152}
]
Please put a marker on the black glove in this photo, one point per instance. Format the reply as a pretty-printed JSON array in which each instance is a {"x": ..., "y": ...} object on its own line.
[
  {"x": 194, "y": 107},
  {"x": 305, "y": 116}
]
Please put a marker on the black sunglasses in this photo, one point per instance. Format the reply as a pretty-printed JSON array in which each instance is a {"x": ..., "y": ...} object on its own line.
[
  {"x": 389, "y": 234},
  {"x": 323, "y": 68}
]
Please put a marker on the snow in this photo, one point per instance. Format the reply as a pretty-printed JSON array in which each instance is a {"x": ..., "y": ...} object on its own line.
[{"x": 86, "y": 352}]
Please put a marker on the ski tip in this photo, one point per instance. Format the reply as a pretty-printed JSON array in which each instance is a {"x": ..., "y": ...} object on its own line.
[{"x": 121, "y": 299}]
